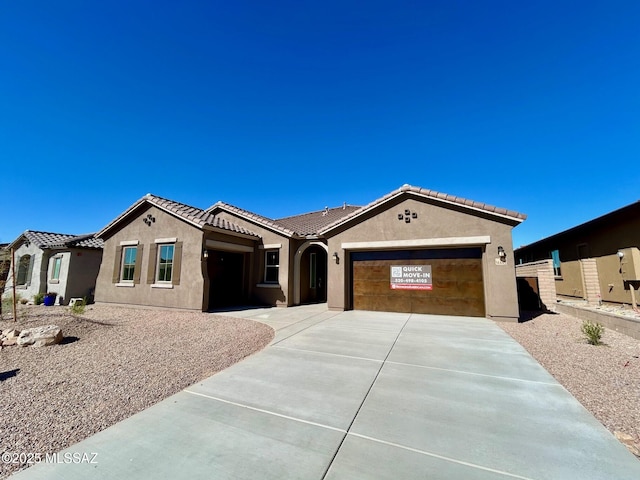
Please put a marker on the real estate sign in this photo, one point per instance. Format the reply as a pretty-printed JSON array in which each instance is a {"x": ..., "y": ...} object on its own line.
[{"x": 411, "y": 277}]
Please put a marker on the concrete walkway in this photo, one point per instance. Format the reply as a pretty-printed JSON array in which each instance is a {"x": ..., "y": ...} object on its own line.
[{"x": 359, "y": 395}]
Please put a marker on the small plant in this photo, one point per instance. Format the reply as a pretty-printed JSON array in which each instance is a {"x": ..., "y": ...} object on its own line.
[
  {"x": 24, "y": 301},
  {"x": 7, "y": 305},
  {"x": 78, "y": 307},
  {"x": 593, "y": 332},
  {"x": 38, "y": 298}
]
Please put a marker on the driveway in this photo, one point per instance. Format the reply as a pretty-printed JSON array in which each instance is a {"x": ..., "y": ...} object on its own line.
[{"x": 362, "y": 395}]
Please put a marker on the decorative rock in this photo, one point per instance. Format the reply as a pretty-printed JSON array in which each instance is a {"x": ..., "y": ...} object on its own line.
[
  {"x": 40, "y": 336},
  {"x": 628, "y": 441},
  {"x": 9, "y": 337}
]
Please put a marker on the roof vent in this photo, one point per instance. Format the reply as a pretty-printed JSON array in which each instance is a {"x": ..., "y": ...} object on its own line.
[
  {"x": 326, "y": 211},
  {"x": 344, "y": 206}
]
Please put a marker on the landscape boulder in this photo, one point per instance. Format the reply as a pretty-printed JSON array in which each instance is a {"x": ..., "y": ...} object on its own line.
[
  {"x": 9, "y": 337},
  {"x": 40, "y": 336}
]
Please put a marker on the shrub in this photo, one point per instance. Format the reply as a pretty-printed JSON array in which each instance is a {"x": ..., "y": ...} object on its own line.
[
  {"x": 593, "y": 332},
  {"x": 78, "y": 307},
  {"x": 38, "y": 298}
]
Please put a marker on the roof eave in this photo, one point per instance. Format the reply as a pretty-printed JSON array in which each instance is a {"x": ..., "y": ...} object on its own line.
[
  {"x": 258, "y": 220},
  {"x": 249, "y": 236},
  {"x": 132, "y": 208}
]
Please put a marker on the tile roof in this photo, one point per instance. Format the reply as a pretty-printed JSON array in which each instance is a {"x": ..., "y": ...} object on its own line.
[
  {"x": 253, "y": 217},
  {"x": 303, "y": 225},
  {"x": 193, "y": 215},
  {"x": 311, "y": 223},
  {"x": 45, "y": 240},
  {"x": 432, "y": 194}
]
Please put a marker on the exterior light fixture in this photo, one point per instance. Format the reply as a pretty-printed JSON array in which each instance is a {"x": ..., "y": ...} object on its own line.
[
  {"x": 501, "y": 253},
  {"x": 620, "y": 254},
  {"x": 336, "y": 257},
  {"x": 205, "y": 254}
]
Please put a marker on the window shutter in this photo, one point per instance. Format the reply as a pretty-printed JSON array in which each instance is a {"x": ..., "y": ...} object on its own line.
[
  {"x": 138, "y": 268},
  {"x": 177, "y": 262},
  {"x": 117, "y": 264},
  {"x": 153, "y": 261},
  {"x": 30, "y": 269}
]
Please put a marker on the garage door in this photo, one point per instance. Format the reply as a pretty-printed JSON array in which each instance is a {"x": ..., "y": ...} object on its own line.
[{"x": 446, "y": 282}]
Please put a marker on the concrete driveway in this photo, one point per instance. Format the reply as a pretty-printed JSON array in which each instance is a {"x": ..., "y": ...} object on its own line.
[{"x": 358, "y": 395}]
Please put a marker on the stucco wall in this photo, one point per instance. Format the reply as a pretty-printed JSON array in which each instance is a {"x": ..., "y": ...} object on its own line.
[
  {"x": 38, "y": 274},
  {"x": 188, "y": 294},
  {"x": 84, "y": 265},
  {"x": 433, "y": 222}
]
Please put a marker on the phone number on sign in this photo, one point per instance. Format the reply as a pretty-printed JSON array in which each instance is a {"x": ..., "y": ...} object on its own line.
[{"x": 32, "y": 458}]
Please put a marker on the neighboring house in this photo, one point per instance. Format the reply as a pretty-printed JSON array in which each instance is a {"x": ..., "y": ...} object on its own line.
[
  {"x": 54, "y": 262},
  {"x": 597, "y": 261},
  {"x": 413, "y": 250}
]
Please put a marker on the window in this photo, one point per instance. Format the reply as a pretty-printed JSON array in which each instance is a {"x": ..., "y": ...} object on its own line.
[
  {"x": 165, "y": 259},
  {"x": 271, "y": 266},
  {"x": 128, "y": 263},
  {"x": 555, "y": 256},
  {"x": 24, "y": 267},
  {"x": 55, "y": 271},
  {"x": 165, "y": 263}
]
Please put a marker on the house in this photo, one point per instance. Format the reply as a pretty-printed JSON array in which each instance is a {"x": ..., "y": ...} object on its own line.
[
  {"x": 55, "y": 262},
  {"x": 596, "y": 261},
  {"x": 413, "y": 250}
]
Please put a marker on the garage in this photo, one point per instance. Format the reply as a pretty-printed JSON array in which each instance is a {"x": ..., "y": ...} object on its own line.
[{"x": 431, "y": 281}]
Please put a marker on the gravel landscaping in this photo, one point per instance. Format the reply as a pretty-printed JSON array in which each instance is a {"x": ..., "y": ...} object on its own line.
[
  {"x": 113, "y": 363},
  {"x": 605, "y": 379}
]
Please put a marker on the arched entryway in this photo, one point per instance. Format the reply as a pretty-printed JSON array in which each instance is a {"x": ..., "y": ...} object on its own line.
[{"x": 310, "y": 273}]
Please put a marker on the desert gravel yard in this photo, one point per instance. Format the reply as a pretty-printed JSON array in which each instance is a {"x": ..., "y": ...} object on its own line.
[
  {"x": 113, "y": 363},
  {"x": 605, "y": 379}
]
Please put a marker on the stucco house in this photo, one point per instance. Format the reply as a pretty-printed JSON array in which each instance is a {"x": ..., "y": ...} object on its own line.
[
  {"x": 58, "y": 263},
  {"x": 413, "y": 250},
  {"x": 598, "y": 260}
]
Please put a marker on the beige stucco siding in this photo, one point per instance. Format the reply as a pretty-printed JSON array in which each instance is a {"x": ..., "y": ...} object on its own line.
[
  {"x": 445, "y": 227},
  {"x": 188, "y": 294}
]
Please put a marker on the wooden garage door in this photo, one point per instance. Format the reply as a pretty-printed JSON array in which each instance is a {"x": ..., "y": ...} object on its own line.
[{"x": 456, "y": 275}]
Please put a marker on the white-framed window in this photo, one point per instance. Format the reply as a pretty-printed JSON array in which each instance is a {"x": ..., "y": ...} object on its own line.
[
  {"x": 129, "y": 254},
  {"x": 55, "y": 268},
  {"x": 271, "y": 266},
  {"x": 165, "y": 263}
]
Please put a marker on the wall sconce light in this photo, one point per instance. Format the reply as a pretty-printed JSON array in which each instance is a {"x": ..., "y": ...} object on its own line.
[
  {"x": 501, "y": 253},
  {"x": 336, "y": 257},
  {"x": 205, "y": 254},
  {"x": 620, "y": 254}
]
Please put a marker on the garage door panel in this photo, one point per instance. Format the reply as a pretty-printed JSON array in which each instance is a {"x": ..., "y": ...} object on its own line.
[
  {"x": 380, "y": 303},
  {"x": 457, "y": 286},
  {"x": 460, "y": 289}
]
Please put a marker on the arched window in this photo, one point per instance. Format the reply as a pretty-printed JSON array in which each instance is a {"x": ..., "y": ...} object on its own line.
[{"x": 24, "y": 267}]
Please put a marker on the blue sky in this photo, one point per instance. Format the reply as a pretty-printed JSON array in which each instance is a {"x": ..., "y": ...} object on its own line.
[{"x": 286, "y": 107}]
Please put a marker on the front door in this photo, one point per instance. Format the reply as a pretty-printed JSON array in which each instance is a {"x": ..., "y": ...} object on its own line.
[
  {"x": 313, "y": 275},
  {"x": 226, "y": 279}
]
